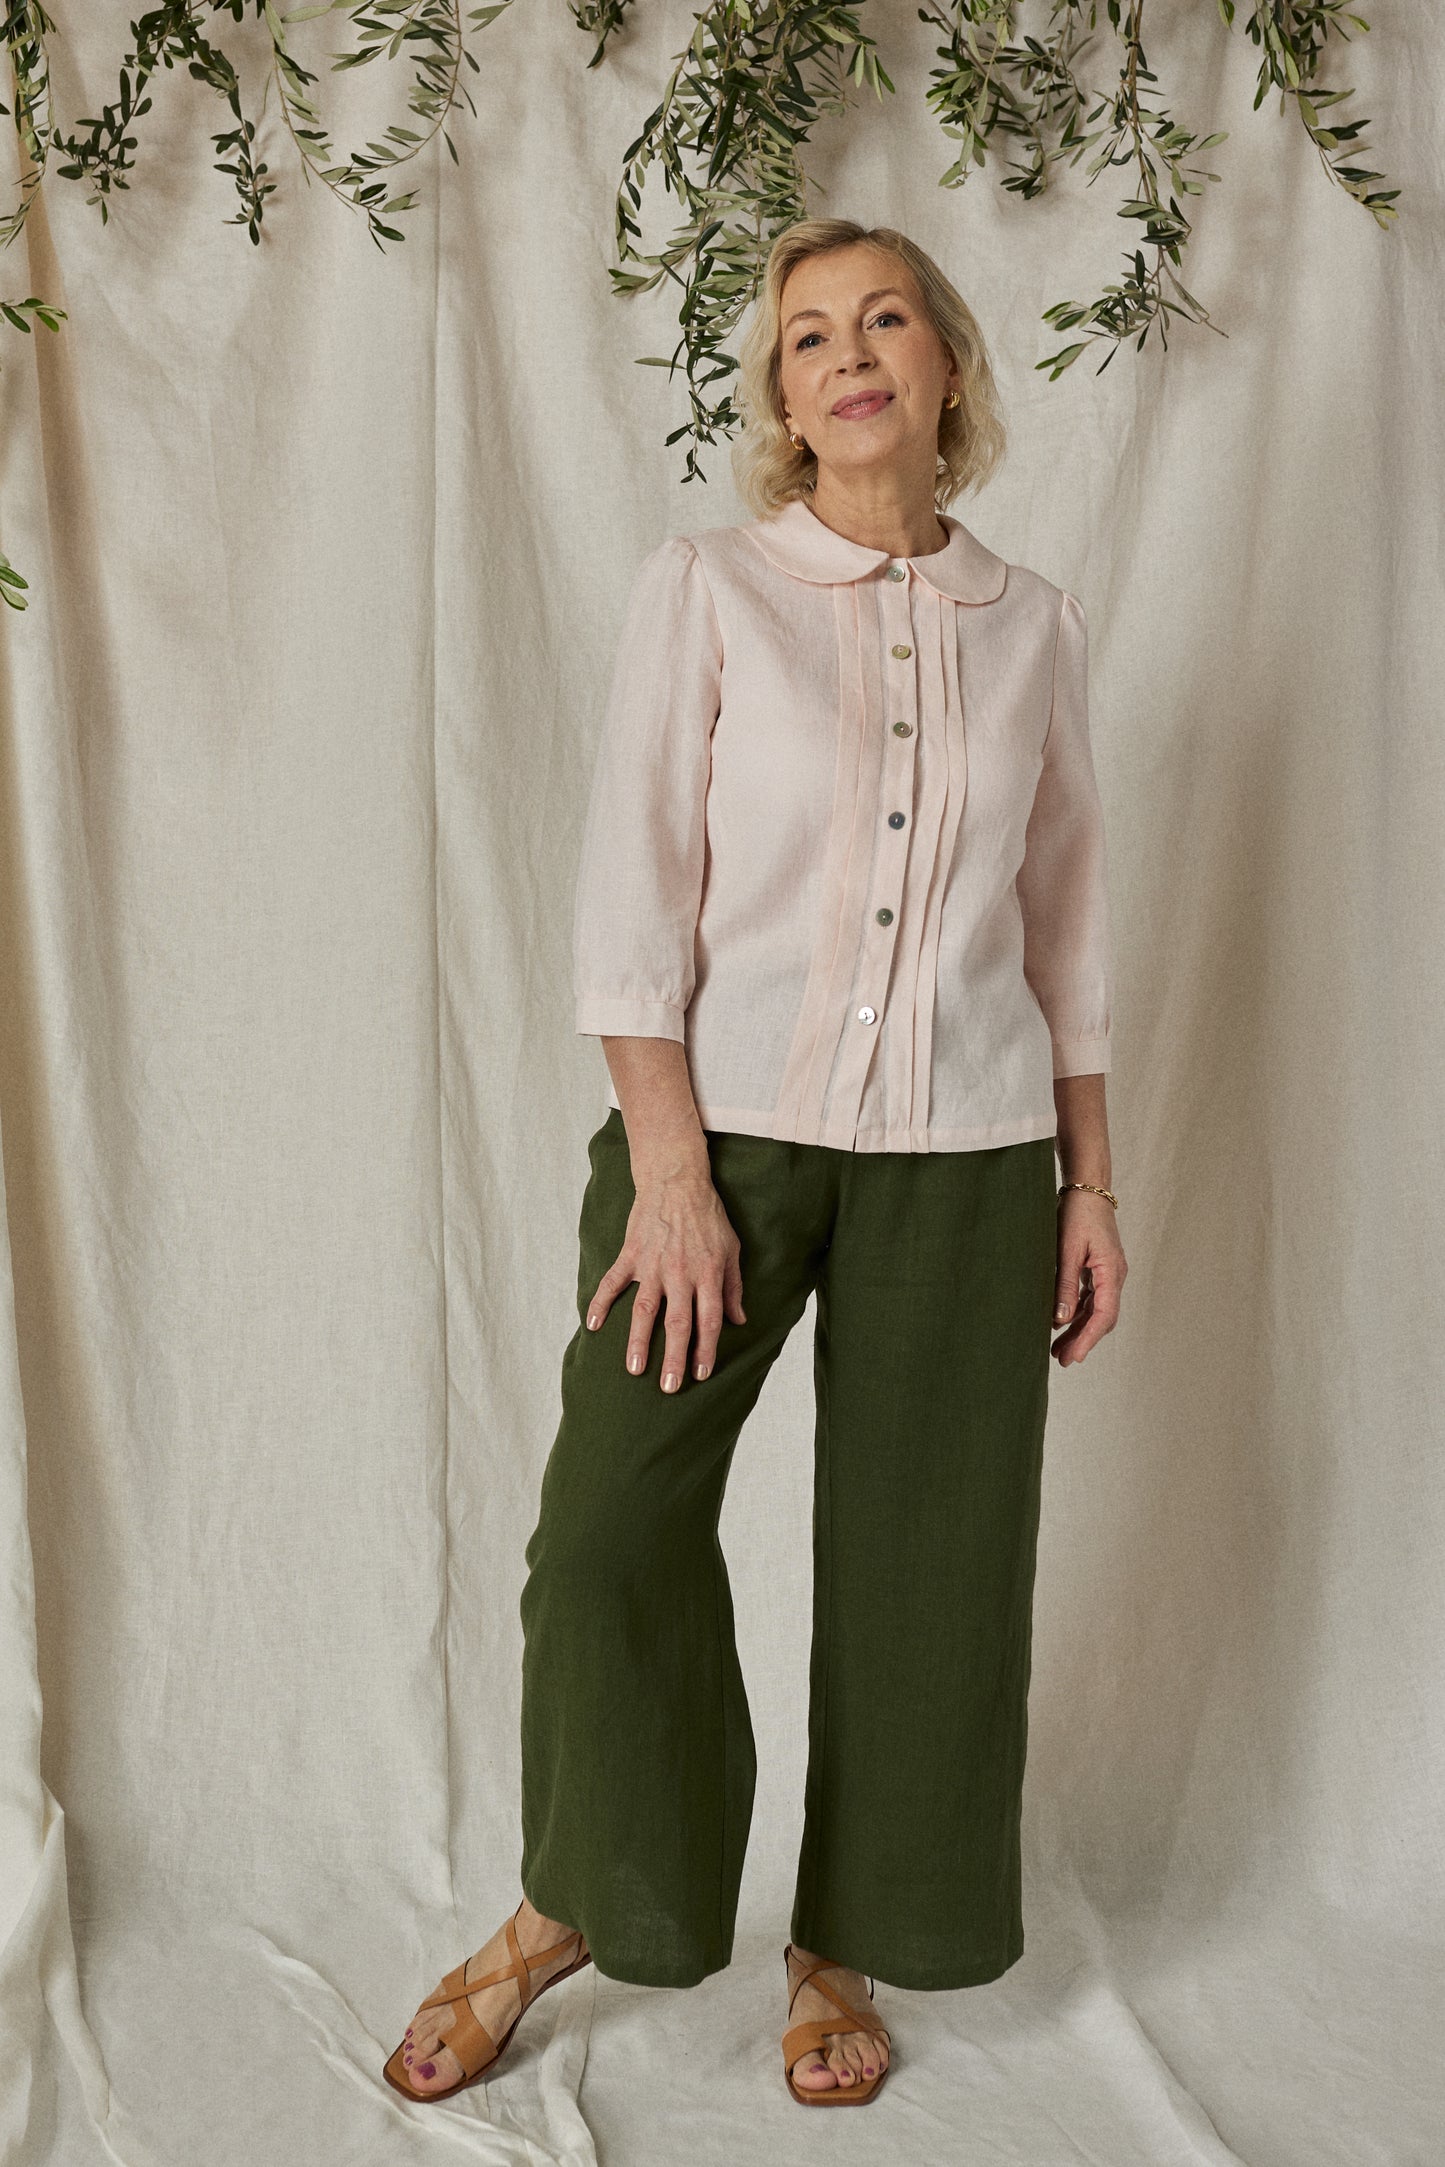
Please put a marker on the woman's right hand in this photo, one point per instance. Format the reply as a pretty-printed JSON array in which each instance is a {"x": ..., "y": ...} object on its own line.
[
  {"x": 680, "y": 1245},
  {"x": 683, "y": 1252}
]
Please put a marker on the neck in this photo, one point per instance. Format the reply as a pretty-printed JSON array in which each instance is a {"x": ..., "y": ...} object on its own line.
[{"x": 884, "y": 515}]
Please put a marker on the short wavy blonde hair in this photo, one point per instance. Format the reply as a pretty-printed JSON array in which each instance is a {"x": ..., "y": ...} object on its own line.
[{"x": 768, "y": 469}]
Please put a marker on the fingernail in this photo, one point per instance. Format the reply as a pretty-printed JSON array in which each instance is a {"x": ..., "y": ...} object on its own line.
[
  {"x": 704, "y": 1369},
  {"x": 669, "y": 1382},
  {"x": 593, "y": 1321},
  {"x": 1061, "y": 1309},
  {"x": 634, "y": 1363}
]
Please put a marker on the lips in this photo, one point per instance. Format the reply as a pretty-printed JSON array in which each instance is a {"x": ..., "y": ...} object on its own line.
[{"x": 862, "y": 403}]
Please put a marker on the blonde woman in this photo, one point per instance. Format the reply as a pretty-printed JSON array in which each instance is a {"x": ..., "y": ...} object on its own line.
[{"x": 842, "y": 927}]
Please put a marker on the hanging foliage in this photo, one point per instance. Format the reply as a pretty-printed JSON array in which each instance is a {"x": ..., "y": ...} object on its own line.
[{"x": 728, "y": 137}]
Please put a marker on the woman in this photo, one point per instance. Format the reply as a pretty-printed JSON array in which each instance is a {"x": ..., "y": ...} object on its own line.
[{"x": 842, "y": 926}]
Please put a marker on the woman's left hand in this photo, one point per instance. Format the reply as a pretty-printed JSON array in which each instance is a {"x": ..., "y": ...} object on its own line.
[{"x": 1089, "y": 1252}]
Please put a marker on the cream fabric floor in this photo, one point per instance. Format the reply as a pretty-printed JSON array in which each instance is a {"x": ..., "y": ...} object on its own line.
[{"x": 327, "y": 554}]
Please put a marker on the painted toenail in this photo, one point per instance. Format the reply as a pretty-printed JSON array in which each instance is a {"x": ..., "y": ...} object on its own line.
[{"x": 428, "y": 2069}]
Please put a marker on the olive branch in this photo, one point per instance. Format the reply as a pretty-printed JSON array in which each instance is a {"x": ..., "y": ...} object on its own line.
[{"x": 728, "y": 138}]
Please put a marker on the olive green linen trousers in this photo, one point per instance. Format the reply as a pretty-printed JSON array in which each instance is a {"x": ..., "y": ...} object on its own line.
[{"x": 934, "y": 1275}]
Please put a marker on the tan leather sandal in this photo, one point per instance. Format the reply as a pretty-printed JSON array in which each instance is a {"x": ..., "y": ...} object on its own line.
[
  {"x": 469, "y": 2040},
  {"x": 801, "y": 2039}
]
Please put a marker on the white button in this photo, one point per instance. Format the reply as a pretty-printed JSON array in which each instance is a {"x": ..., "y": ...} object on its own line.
[
  {"x": 867, "y": 1015},
  {"x": 896, "y": 571}
]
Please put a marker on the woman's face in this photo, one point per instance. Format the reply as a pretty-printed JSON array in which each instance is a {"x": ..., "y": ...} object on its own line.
[{"x": 862, "y": 371}]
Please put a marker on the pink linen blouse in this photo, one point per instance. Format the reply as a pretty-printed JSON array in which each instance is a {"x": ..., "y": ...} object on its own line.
[{"x": 844, "y": 839}]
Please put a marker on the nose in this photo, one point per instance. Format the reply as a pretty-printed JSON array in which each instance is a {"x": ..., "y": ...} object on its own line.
[{"x": 855, "y": 354}]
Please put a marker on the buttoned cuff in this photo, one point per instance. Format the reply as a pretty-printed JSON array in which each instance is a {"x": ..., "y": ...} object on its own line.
[
  {"x": 603, "y": 1016},
  {"x": 1081, "y": 1057}
]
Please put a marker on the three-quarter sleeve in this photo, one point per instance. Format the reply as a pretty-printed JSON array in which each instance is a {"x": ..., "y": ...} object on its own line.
[
  {"x": 640, "y": 877},
  {"x": 1063, "y": 881}
]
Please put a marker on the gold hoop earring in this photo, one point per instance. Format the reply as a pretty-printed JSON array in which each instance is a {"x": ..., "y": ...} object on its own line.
[
  {"x": 799, "y": 443},
  {"x": 954, "y": 398}
]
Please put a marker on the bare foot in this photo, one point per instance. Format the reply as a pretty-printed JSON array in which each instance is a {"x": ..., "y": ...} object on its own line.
[
  {"x": 849, "y": 2055},
  {"x": 431, "y": 2065}
]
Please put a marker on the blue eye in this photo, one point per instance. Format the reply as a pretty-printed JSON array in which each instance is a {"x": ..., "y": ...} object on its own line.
[{"x": 878, "y": 319}]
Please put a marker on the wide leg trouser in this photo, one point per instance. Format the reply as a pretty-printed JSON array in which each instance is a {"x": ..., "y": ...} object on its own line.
[{"x": 934, "y": 1274}]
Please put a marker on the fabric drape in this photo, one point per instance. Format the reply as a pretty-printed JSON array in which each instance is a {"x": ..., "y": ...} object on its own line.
[{"x": 328, "y": 550}]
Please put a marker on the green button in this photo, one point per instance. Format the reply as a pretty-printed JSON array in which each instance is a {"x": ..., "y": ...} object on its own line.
[
  {"x": 885, "y": 917},
  {"x": 903, "y": 653},
  {"x": 903, "y": 729}
]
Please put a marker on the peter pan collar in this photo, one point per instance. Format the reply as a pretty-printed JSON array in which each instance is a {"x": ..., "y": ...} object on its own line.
[{"x": 798, "y": 541}]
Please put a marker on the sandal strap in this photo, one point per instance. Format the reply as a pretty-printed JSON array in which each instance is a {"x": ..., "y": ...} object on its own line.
[
  {"x": 801, "y": 2039},
  {"x": 811, "y": 2036},
  {"x": 520, "y": 1966},
  {"x": 456, "y": 1987},
  {"x": 470, "y": 2041},
  {"x": 810, "y": 1977}
]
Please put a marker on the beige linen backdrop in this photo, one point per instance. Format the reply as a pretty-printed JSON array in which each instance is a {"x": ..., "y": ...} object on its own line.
[{"x": 328, "y": 551}]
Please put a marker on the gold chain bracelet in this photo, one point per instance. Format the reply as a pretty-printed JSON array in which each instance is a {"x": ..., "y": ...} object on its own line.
[{"x": 1090, "y": 1185}]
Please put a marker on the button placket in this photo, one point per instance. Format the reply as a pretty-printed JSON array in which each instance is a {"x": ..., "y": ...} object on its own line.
[
  {"x": 902, "y": 1087},
  {"x": 901, "y": 685},
  {"x": 899, "y": 786},
  {"x": 856, "y": 957}
]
